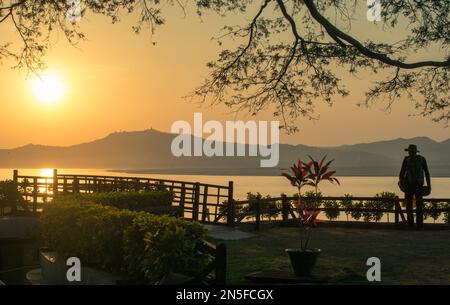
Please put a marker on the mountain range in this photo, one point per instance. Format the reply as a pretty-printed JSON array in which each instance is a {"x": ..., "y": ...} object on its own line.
[{"x": 149, "y": 151}]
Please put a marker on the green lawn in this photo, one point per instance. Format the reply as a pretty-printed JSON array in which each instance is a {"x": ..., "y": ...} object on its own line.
[{"x": 407, "y": 257}]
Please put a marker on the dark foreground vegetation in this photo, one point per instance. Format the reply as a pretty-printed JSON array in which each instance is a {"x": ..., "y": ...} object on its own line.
[{"x": 142, "y": 246}]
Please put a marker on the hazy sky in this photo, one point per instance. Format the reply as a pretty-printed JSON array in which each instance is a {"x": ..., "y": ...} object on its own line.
[{"x": 117, "y": 80}]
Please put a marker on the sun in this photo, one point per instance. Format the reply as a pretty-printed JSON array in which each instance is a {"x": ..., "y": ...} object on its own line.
[{"x": 48, "y": 88}]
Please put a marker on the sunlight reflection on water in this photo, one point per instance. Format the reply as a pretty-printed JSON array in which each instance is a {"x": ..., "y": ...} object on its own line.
[
  {"x": 266, "y": 185},
  {"x": 271, "y": 185}
]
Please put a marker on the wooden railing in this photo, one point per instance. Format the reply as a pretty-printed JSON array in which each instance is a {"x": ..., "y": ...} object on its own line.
[
  {"x": 209, "y": 203},
  {"x": 199, "y": 201},
  {"x": 218, "y": 265},
  {"x": 282, "y": 209}
]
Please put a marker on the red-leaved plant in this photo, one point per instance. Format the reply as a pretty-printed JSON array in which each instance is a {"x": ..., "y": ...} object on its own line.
[
  {"x": 309, "y": 174},
  {"x": 319, "y": 171}
]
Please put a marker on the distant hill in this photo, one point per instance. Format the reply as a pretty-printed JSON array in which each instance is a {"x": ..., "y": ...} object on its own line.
[{"x": 149, "y": 151}]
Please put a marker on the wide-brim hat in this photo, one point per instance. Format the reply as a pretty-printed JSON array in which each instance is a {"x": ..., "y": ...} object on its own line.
[{"x": 412, "y": 147}]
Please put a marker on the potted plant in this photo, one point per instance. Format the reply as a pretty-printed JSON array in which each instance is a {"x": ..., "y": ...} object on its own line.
[{"x": 303, "y": 174}]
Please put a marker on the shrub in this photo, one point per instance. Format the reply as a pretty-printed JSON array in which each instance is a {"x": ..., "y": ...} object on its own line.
[
  {"x": 376, "y": 207},
  {"x": 373, "y": 212},
  {"x": 131, "y": 200},
  {"x": 223, "y": 210},
  {"x": 388, "y": 204},
  {"x": 141, "y": 245},
  {"x": 433, "y": 213},
  {"x": 251, "y": 207},
  {"x": 332, "y": 209},
  {"x": 272, "y": 209},
  {"x": 10, "y": 196},
  {"x": 156, "y": 245},
  {"x": 347, "y": 203},
  {"x": 446, "y": 205},
  {"x": 356, "y": 214},
  {"x": 312, "y": 200},
  {"x": 89, "y": 231},
  {"x": 269, "y": 209}
]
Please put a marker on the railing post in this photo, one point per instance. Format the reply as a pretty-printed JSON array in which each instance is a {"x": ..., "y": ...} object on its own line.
[
  {"x": 95, "y": 186},
  {"x": 397, "y": 212},
  {"x": 284, "y": 208},
  {"x": 35, "y": 194},
  {"x": 16, "y": 184},
  {"x": 231, "y": 205},
  {"x": 205, "y": 211},
  {"x": 257, "y": 214},
  {"x": 221, "y": 264},
  {"x": 99, "y": 186},
  {"x": 196, "y": 204},
  {"x": 182, "y": 199},
  {"x": 230, "y": 213},
  {"x": 137, "y": 185},
  {"x": 15, "y": 176},
  {"x": 75, "y": 185},
  {"x": 55, "y": 183}
]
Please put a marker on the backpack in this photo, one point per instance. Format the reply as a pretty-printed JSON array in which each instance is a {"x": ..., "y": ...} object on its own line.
[{"x": 414, "y": 171}]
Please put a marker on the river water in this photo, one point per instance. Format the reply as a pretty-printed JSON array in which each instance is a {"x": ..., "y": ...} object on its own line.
[{"x": 266, "y": 185}]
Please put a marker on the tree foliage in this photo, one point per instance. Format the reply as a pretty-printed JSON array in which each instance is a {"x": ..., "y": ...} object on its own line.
[{"x": 291, "y": 54}]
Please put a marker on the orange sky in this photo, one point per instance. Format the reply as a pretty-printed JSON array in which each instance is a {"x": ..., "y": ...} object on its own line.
[{"x": 119, "y": 81}]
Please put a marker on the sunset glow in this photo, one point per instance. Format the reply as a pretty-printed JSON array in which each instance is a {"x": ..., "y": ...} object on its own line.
[
  {"x": 263, "y": 147},
  {"x": 46, "y": 172},
  {"x": 48, "y": 88}
]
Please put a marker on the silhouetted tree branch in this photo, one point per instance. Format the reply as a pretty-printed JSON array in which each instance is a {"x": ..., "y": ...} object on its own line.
[
  {"x": 296, "y": 76},
  {"x": 291, "y": 55}
]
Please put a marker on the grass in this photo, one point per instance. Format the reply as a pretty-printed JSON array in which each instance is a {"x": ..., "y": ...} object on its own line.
[{"x": 407, "y": 257}]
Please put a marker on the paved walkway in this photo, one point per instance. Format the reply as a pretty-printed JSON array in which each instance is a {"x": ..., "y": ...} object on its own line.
[{"x": 226, "y": 233}]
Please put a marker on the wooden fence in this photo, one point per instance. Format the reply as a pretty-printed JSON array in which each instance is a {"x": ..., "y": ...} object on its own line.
[
  {"x": 218, "y": 266},
  {"x": 209, "y": 203},
  {"x": 282, "y": 209},
  {"x": 199, "y": 201}
]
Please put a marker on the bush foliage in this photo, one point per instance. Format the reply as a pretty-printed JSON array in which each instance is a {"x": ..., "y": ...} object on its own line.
[
  {"x": 158, "y": 244},
  {"x": 131, "y": 200},
  {"x": 332, "y": 209},
  {"x": 9, "y": 195},
  {"x": 140, "y": 245},
  {"x": 269, "y": 209}
]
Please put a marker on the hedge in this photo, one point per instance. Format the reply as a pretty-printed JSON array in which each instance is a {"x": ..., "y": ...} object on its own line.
[
  {"x": 10, "y": 196},
  {"x": 131, "y": 200},
  {"x": 139, "y": 245},
  {"x": 158, "y": 244}
]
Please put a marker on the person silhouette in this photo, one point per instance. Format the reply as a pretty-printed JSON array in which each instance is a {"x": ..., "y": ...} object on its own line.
[{"x": 411, "y": 180}]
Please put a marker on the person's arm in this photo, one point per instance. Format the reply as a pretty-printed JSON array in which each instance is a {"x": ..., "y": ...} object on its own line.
[
  {"x": 402, "y": 170},
  {"x": 427, "y": 173}
]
